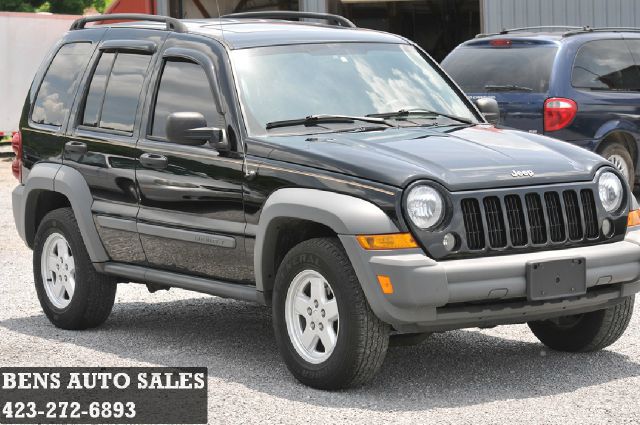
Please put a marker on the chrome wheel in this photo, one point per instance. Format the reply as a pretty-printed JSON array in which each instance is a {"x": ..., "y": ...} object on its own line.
[
  {"x": 620, "y": 164},
  {"x": 311, "y": 314},
  {"x": 58, "y": 270}
]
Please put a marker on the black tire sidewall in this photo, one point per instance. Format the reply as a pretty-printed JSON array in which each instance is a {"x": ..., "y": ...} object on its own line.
[
  {"x": 572, "y": 338},
  {"x": 55, "y": 222},
  {"x": 343, "y": 355}
]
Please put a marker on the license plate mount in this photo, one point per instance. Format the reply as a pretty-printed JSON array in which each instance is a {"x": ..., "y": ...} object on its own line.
[{"x": 552, "y": 279}]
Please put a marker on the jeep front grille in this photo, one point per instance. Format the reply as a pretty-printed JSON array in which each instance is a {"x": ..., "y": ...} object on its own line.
[
  {"x": 590, "y": 214},
  {"x": 515, "y": 217},
  {"x": 473, "y": 223},
  {"x": 574, "y": 222},
  {"x": 517, "y": 220}
]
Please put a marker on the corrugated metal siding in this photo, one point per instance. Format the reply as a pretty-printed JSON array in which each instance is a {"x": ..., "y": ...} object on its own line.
[{"x": 499, "y": 14}]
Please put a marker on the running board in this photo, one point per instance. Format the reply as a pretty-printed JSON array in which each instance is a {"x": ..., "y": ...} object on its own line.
[{"x": 198, "y": 284}]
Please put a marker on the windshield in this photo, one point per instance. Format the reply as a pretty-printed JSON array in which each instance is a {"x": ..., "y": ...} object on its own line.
[
  {"x": 354, "y": 79},
  {"x": 486, "y": 69}
]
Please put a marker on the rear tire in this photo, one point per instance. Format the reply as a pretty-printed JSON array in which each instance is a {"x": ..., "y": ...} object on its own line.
[
  {"x": 585, "y": 332},
  {"x": 73, "y": 295},
  {"x": 620, "y": 157},
  {"x": 319, "y": 269}
]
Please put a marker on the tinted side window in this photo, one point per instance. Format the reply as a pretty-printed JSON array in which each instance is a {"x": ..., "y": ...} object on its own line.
[
  {"x": 634, "y": 46},
  {"x": 605, "y": 65},
  {"x": 95, "y": 97},
  {"x": 184, "y": 87},
  {"x": 58, "y": 86},
  {"x": 112, "y": 100}
]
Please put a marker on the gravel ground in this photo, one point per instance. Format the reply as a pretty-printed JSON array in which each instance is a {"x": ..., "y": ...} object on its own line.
[{"x": 470, "y": 376}]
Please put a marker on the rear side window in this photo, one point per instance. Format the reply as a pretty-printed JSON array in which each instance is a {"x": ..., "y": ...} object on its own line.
[
  {"x": 184, "y": 87},
  {"x": 605, "y": 65},
  {"x": 59, "y": 84},
  {"x": 114, "y": 91},
  {"x": 490, "y": 69}
]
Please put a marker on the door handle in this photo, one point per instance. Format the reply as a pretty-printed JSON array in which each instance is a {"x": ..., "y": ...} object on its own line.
[
  {"x": 154, "y": 160},
  {"x": 75, "y": 147}
]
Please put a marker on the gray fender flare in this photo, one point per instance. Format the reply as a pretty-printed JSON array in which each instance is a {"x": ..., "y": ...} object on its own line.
[
  {"x": 70, "y": 183},
  {"x": 344, "y": 214}
]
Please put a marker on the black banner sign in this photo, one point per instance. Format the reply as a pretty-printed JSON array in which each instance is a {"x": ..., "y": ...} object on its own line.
[{"x": 154, "y": 395}]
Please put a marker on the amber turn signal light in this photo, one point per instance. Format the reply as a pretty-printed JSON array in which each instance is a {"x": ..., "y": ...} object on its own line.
[
  {"x": 388, "y": 241},
  {"x": 385, "y": 284},
  {"x": 634, "y": 218}
]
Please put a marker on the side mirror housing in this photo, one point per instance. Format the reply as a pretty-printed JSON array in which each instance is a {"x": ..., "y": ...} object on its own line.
[
  {"x": 489, "y": 108},
  {"x": 190, "y": 128}
]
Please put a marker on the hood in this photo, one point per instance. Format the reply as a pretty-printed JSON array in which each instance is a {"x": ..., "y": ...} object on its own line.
[{"x": 460, "y": 158}]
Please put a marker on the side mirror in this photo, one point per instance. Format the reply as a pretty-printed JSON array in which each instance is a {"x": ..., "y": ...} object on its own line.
[
  {"x": 489, "y": 108},
  {"x": 190, "y": 128}
]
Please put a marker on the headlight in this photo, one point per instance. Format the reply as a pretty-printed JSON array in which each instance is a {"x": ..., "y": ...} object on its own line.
[
  {"x": 425, "y": 206},
  {"x": 610, "y": 191}
]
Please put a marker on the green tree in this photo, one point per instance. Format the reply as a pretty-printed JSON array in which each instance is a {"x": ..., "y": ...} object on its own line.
[
  {"x": 72, "y": 7},
  {"x": 19, "y": 5}
]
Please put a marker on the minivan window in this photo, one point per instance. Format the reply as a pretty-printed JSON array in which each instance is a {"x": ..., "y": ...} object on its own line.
[
  {"x": 486, "y": 69},
  {"x": 281, "y": 83},
  {"x": 58, "y": 86},
  {"x": 184, "y": 87},
  {"x": 605, "y": 65},
  {"x": 112, "y": 99}
]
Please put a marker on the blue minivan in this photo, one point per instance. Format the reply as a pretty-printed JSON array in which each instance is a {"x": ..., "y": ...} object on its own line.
[{"x": 577, "y": 84}]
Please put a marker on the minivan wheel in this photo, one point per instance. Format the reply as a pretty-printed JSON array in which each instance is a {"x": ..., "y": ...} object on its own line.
[
  {"x": 585, "y": 332},
  {"x": 620, "y": 157},
  {"x": 72, "y": 294},
  {"x": 325, "y": 330}
]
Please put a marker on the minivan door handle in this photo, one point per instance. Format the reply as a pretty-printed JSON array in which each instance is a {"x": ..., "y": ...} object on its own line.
[
  {"x": 75, "y": 147},
  {"x": 154, "y": 161}
]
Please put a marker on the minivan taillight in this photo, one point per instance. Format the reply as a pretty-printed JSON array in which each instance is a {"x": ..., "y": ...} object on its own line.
[
  {"x": 16, "y": 165},
  {"x": 558, "y": 113}
]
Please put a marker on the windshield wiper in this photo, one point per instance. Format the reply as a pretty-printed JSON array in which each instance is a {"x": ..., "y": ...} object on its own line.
[
  {"x": 325, "y": 119},
  {"x": 409, "y": 112},
  {"x": 507, "y": 87}
]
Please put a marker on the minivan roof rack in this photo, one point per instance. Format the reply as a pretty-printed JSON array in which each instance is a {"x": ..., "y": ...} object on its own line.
[
  {"x": 601, "y": 29},
  {"x": 173, "y": 24},
  {"x": 337, "y": 20},
  {"x": 538, "y": 28}
]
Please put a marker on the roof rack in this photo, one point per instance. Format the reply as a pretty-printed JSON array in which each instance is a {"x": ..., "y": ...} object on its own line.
[
  {"x": 337, "y": 20},
  {"x": 538, "y": 28},
  {"x": 601, "y": 29},
  {"x": 173, "y": 24}
]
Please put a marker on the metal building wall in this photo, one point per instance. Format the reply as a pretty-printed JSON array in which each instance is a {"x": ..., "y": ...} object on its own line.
[{"x": 499, "y": 14}]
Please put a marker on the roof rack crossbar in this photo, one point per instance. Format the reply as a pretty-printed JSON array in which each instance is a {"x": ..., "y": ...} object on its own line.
[
  {"x": 337, "y": 20},
  {"x": 173, "y": 24},
  {"x": 536, "y": 28}
]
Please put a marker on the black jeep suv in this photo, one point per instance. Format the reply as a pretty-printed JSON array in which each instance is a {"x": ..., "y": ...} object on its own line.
[{"x": 334, "y": 173}]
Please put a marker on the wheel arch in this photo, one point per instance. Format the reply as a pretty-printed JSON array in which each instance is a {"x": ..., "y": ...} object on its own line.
[
  {"x": 621, "y": 131},
  {"x": 624, "y": 138},
  {"x": 292, "y": 215},
  {"x": 51, "y": 186}
]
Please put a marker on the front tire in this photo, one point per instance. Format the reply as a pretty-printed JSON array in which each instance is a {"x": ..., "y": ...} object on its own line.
[
  {"x": 325, "y": 330},
  {"x": 585, "y": 332},
  {"x": 72, "y": 294}
]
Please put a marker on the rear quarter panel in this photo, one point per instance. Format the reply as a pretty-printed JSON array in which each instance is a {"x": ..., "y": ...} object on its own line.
[
  {"x": 599, "y": 112},
  {"x": 42, "y": 142}
]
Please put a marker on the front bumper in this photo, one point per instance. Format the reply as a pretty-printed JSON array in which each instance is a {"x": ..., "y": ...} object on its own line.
[{"x": 431, "y": 295}]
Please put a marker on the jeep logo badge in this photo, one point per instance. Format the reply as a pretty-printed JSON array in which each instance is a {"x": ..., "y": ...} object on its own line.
[{"x": 522, "y": 173}]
